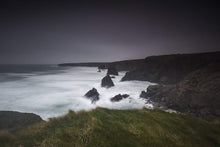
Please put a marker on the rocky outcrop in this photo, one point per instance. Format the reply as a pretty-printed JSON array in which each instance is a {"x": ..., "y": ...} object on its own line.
[
  {"x": 12, "y": 119},
  {"x": 197, "y": 95},
  {"x": 119, "y": 97},
  {"x": 112, "y": 71},
  {"x": 151, "y": 90},
  {"x": 171, "y": 69},
  {"x": 107, "y": 82},
  {"x": 93, "y": 95}
]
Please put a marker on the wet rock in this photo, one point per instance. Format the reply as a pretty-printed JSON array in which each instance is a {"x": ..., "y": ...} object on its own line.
[
  {"x": 107, "y": 82},
  {"x": 125, "y": 95},
  {"x": 143, "y": 94},
  {"x": 119, "y": 97},
  {"x": 93, "y": 95}
]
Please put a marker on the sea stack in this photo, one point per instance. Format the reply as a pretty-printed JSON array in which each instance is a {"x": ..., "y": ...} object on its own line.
[
  {"x": 107, "y": 82},
  {"x": 93, "y": 95}
]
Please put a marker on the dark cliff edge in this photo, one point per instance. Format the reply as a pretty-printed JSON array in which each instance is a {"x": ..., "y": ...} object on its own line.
[
  {"x": 88, "y": 64},
  {"x": 126, "y": 65},
  {"x": 12, "y": 119},
  {"x": 171, "y": 69}
]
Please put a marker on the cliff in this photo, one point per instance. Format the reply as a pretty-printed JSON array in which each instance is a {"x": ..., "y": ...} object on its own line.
[
  {"x": 171, "y": 69},
  {"x": 197, "y": 94},
  {"x": 126, "y": 65},
  {"x": 88, "y": 64}
]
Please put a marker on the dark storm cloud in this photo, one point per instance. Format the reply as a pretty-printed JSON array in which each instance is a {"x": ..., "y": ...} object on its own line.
[{"x": 80, "y": 31}]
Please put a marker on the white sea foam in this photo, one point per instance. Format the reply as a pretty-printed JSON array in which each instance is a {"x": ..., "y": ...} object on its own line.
[{"x": 53, "y": 94}]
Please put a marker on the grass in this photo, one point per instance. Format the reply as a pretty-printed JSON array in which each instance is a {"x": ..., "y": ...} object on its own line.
[{"x": 116, "y": 128}]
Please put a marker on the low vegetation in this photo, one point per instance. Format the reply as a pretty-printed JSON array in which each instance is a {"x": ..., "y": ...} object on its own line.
[{"x": 113, "y": 128}]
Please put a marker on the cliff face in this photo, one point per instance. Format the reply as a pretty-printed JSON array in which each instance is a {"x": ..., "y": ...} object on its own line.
[
  {"x": 197, "y": 94},
  {"x": 171, "y": 69}
]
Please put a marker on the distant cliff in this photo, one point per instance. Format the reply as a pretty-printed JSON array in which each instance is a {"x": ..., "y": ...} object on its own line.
[
  {"x": 126, "y": 65},
  {"x": 87, "y": 64},
  {"x": 165, "y": 69},
  {"x": 170, "y": 69}
]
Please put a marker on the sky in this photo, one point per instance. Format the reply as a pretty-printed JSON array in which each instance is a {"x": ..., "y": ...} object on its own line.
[{"x": 52, "y": 32}]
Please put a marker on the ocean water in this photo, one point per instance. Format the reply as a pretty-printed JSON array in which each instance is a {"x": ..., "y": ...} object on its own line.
[{"x": 50, "y": 91}]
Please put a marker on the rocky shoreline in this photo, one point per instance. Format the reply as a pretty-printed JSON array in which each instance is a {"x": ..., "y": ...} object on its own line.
[
  {"x": 197, "y": 95},
  {"x": 188, "y": 83}
]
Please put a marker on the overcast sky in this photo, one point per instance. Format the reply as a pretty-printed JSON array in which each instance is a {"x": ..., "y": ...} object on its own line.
[{"x": 50, "y": 31}]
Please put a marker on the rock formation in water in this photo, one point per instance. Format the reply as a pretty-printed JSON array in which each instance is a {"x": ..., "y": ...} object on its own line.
[
  {"x": 12, "y": 119},
  {"x": 107, "y": 82},
  {"x": 93, "y": 95},
  {"x": 119, "y": 97}
]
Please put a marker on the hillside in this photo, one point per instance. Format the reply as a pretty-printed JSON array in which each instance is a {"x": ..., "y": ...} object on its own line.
[{"x": 108, "y": 128}]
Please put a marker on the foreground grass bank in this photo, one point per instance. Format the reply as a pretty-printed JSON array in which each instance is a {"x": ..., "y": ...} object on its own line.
[{"x": 113, "y": 128}]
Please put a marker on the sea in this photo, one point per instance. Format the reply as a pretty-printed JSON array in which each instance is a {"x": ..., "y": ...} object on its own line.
[{"x": 51, "y": 90}]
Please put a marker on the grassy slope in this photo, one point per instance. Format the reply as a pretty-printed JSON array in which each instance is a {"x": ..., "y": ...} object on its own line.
[{"x": 104, "y": 127}]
